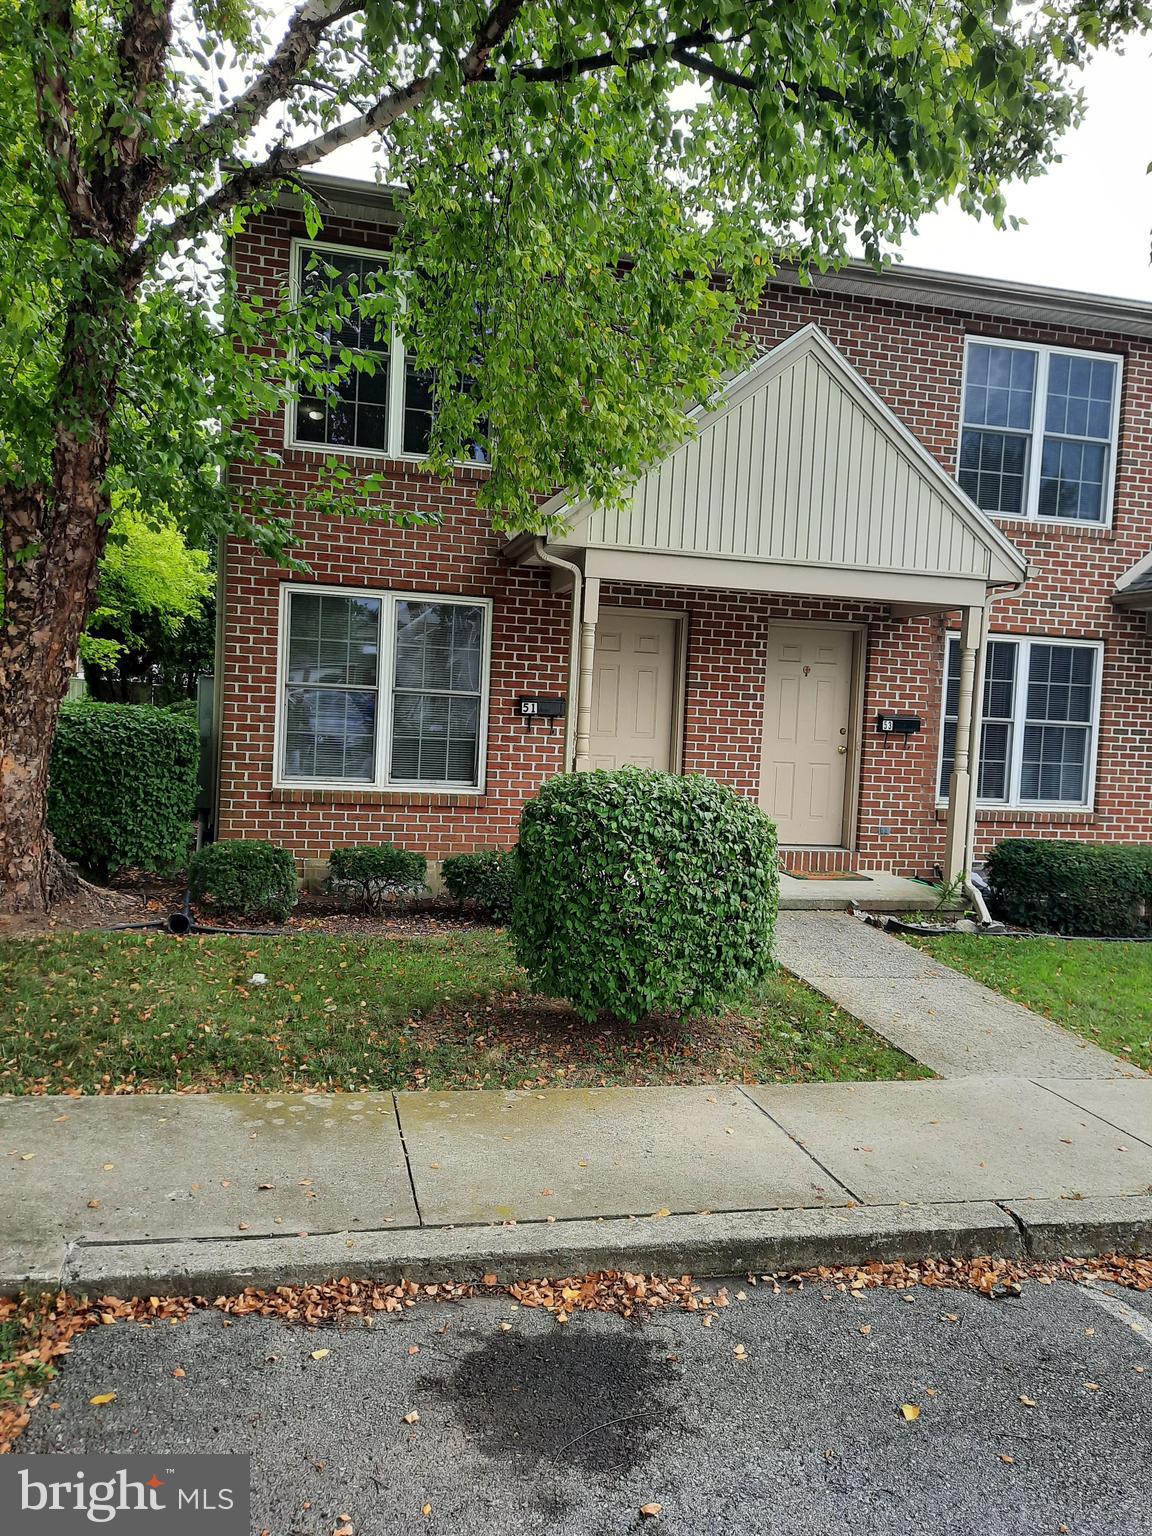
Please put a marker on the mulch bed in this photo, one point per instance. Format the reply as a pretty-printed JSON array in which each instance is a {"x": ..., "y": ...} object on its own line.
[{"x": 136, "y": 898}]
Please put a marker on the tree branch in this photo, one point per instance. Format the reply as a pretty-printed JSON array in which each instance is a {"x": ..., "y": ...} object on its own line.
[
  {"x": 275, "y": 81},
  {"x": 285, "y": 161},
  {"x": 55, "y": 113},
  {"x": 590, "y": 63}
]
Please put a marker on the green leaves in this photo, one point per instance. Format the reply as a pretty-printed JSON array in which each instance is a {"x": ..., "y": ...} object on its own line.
[
  {"x": 643, "y": 892},
  {"x": 245, "y": 877},
  {"x": 123, "y": 787},
  {"x": 1072, "y": 887}
]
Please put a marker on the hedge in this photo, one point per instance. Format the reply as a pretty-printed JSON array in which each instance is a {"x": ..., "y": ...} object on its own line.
[
  {"x": 641, "y": 892},
  {"x": 484, "y": 880},
  {"x": 122, "y": 787},
  {"x": 244, "y": 876},
  {"x": 369, "y": 873},
  {"x": 1070, "y": 887}
]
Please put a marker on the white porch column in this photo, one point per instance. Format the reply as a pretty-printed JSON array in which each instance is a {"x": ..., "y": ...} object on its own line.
[
  {"x": 965, "y": 763},
  {"x": 589, "y": 615}
]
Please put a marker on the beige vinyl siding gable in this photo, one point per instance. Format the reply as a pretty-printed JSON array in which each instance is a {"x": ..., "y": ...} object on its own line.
[{"x": 801, "y": 463}]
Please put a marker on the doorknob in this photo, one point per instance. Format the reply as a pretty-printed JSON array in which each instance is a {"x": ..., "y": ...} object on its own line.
[{"x": 842, "y": 750}]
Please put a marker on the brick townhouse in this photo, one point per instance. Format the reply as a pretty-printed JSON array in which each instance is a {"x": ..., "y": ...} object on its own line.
[{"x": 896, "y": 587}]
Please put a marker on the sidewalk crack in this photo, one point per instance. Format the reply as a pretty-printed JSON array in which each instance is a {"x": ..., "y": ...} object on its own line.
[{"x": 407, "y": 1160}]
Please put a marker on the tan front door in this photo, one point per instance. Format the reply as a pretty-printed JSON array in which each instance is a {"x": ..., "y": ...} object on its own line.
[
  {"x": 633, "y": 690},
  {"x": 807, "y": 709}
]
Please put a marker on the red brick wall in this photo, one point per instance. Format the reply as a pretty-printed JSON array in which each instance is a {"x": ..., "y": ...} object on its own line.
[{"x": 913, "y": 358}]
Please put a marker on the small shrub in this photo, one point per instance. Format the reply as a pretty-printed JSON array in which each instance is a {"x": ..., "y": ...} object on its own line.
[
  {"x": 484, "y": 880},
  {"x": 640, "y": 892},
  {"x": 1069, "y": 887},
  {"x": 251, "y": 878},
  {"x": 122, "y": 787},
  {"x": 368, "y": 875}
]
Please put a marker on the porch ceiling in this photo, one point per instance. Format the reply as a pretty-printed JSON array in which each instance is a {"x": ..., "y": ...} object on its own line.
[{"x": 799, "y": 480}]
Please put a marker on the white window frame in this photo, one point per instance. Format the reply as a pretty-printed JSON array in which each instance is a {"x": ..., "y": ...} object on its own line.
[
  {"x": 1012, "y": 800},
  {"x": 397, "y": 356},
  {"x": 385, "y": 691},
  {"x": 1036, "y": 434}
]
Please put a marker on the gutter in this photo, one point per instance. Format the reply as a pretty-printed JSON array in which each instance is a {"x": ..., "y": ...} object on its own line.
[{"x": 542, "y": 553}]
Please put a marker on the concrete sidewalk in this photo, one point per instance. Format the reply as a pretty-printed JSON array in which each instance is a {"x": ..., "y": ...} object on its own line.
[
  {"x": 208, "y": 1193},
  {"x": 951, "y": 1023}
]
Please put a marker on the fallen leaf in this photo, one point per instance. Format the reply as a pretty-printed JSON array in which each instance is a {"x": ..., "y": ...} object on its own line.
[
  {"x": 489, "y": 1280},
  {"x": 179, "y": 1373},
  {"x": 1009, "y": 1461},
  {"x": 1091, "y": 1386},
  {"x": 108, "y": 1167},
  {"x": 911, "y": 1412},
  {"x": 101, "y": 1398},
  {"x": 426, "y": 1511},
  {"x": 661, "y": 1213},
  {"x": 740, "y": 1352},
  {"x": 505, "y": 1327},
  {"x": 93, "y": 1205},
  {"x": 320, "y": 1354},
  {"x": 413, "y": 1349},
  {"x": 412, "y": 1418},
  {"x": 865, "y": 1328},
  {"x": 1028, "y": 1402},
  {"x": 27, "y": 1157},
  {"x": 651, "y": 1511}
]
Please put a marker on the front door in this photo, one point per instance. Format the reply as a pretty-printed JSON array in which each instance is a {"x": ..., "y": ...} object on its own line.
[
  {"x": 807, "y": 712},
  {"x": 633, "y": 690}
]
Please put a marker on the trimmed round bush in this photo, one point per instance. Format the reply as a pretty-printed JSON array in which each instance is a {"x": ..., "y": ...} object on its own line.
[
  {"x": 641, "y": 892},
  {"x": 484, "y": 880},
  {"x": 368, "y": 874},
  {"x": 1068, "y": 887},
  {"x": 122, "y": 787},
  {"x": 245, "y": 876}
]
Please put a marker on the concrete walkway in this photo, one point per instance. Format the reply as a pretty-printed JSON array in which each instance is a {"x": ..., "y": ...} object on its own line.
[
  {"x": 946, "y": 1020},
  {"x": 208, "y": 1193}
]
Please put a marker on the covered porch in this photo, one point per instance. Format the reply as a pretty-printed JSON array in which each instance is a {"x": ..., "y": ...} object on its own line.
[{"x": 749, "y": 610}]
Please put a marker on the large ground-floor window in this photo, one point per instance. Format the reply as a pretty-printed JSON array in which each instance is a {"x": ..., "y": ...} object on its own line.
[
  {"x": 382, "y": 689},
  {"x": 1041, "y": 704}
]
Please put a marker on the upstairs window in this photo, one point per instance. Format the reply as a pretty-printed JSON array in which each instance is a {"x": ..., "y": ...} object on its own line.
[
  {"x": 383, "y": 404},
  {"x": 1039, "y": 431},
  {"x": 1038, "y": 742}
]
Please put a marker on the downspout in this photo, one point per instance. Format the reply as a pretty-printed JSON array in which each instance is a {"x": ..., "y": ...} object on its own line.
[{"x": 546, "y": 557}]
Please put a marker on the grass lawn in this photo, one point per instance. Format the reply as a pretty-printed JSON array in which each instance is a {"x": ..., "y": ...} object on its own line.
[
  {"x": 1102, "y": 991},
  {"x": 101, "y": 1012}
]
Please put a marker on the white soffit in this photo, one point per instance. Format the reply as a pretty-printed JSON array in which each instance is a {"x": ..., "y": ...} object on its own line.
[{"x": 801, "y": 462}]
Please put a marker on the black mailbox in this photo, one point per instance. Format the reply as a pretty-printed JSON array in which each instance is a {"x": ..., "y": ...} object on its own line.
[
  {"x": 897, "y": 725},
  {"x": 540, "y": 709}
]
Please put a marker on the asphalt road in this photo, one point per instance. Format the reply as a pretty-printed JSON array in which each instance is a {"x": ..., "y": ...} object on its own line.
[{"x": 569, "y": 1429}]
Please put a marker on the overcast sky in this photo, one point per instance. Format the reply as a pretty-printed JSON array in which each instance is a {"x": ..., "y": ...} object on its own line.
[{"x": 1089, "y": 219}]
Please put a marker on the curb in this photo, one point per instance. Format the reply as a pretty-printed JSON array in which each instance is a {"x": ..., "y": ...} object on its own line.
[
  {"x": 1086, "y": 1228},
  {"x": 735, "y": 1243}
]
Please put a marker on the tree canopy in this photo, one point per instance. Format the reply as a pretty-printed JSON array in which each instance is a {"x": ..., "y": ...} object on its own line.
[{"x": 589, "y": 193}]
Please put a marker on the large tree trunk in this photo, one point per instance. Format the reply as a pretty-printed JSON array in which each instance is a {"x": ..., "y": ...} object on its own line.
[{"x": 53, "y": 539}]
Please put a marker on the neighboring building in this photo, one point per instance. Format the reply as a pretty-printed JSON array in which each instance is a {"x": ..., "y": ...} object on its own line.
[{"x": 916, "y": 458}]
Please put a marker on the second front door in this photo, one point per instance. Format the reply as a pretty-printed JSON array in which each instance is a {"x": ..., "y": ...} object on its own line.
[{"x": 807, "y": 719}]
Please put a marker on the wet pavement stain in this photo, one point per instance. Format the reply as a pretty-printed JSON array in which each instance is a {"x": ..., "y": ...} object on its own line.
[{"x": 566, "y": 1405}]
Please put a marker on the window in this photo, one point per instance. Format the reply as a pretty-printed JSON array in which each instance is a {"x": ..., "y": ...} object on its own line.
[
  {"x": 384, "y": 404},
  {"x": 1039, "y": 431},
  {"x": 1037, "y": 744},
  {"x": 382, "y": 690}
]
